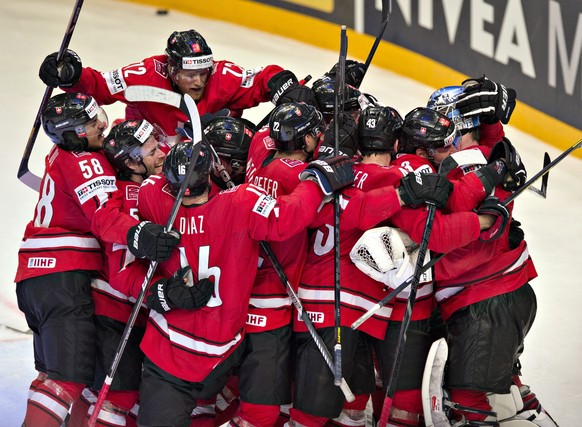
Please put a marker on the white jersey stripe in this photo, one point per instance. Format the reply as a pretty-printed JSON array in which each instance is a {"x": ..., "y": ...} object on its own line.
[
  {"x": 60, "y": 242},
  {"x": 192, "y": 343}
]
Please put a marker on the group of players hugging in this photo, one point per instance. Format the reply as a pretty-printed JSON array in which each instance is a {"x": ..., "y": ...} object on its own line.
[{"x": 219, "y": 338}]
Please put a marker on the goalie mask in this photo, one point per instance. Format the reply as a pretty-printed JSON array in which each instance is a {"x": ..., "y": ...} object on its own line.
[
  {"x": 444, "y": 101},
  {"x": 378, "y": 130},
  {"x": 71, "y": 119},
  {"x": 176, "y": 168},
  {"x": 125, "y": 142}
]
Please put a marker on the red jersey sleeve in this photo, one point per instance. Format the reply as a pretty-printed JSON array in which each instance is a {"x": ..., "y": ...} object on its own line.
[
  {"x": 449, "y": 231},
  {"x": 280, "y": 219}
]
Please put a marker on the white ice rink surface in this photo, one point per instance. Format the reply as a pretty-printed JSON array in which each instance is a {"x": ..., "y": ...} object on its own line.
[{"x": 110, "y": 34}]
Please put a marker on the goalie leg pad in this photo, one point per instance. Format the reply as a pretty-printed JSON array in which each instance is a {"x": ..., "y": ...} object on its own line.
[{"x": 432, "y": 385}]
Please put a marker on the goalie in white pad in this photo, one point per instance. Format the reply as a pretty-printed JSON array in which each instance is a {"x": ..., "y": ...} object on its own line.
[{"x": 437, "y": 408}]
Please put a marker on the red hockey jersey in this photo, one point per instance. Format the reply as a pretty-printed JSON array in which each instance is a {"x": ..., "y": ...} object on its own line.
[
  {"x": 228, "y": 86},
  {"x": 270, "y": 306},
  {"x": 77, "y": 201},
  {"x": 219, "y": 240}
]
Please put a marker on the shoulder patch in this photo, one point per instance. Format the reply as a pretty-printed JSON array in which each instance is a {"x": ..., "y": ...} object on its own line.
[
  {"x": 131, "y": 192},
  {"x": 115, "y": 81},
  {"x": 161, "y": 68},
  {"x": 269, "y": 143},
  {"x": 264, "y": 205},
  {"x": 249, "y": 77},
  {"x": 99, "y": 185}
]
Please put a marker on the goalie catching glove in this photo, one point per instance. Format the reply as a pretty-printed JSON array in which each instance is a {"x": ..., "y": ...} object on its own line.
[
  {"x": 64, "y": 74},
  {"x": 331, "y": 174},
  {"x": 179, "y": 291},
  {"x": 149, "y": 240},
  {"x": 488, "y": 100}
]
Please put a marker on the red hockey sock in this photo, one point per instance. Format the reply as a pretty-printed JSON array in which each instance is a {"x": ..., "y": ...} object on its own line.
[
  {"x": 49, "y": 405},
  {"x": 472, "y": 399},
  {"x": 80, "y": 409},
  {"x": 258, "y": 415},
  {"x": 41, "y": 378},
  {"x": 408, "y": 400},
  {"x": 306, "y": 420}
]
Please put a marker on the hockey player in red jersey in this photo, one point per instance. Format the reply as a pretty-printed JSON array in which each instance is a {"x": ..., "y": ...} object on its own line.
[
  {"x": 191, "y": 352},
  {"x": 231, "y": 138},
  {"x": 60, "y": 253},
  {"x": 188, "y": 67},
  {"x": 482, "y": 282},
  {"x": 133, "y": 148}
]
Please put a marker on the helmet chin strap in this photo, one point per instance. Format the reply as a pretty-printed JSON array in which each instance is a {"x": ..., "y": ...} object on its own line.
[{"x": 144, "y": 175}]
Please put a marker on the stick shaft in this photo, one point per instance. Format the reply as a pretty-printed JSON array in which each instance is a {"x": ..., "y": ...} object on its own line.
[{"x": 24, "y": 174}]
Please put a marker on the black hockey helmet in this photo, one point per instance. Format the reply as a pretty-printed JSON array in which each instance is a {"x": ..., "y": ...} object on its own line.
[
  {"x": 125, "y": 141},
  {"x": 176, "y": 166},
  {"x": 324, "y": 89},
  {"x": 230, "y": 137},
  {"x": 445, "y": 100},
  {"x": 289, "y": 123},
  {"x": 188, "y": 50},
  {"x": 65, "y": 116},
  {"x": 427, "y": 129},
  {"x": 378, "y": 129}
]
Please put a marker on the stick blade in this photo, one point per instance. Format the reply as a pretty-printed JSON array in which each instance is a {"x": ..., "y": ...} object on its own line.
[
  {"x": 143, "y": 93},
  {"x": 29, "y": 179}
]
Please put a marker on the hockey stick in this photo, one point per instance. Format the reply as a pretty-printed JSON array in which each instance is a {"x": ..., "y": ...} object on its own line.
[
  {"x": 142, "y": 93},
  {"x": 386, "y": 11},
  {"x": 400, "y": 346},
  {"x": 544, "y": 171},
  {"x": 292, "y": 295},
  {"x": 195, "y": 120},
  {"x": 24, "y": 174},
  {"x": 338, "y": 106},
  {"x": 543, "y": 190}
]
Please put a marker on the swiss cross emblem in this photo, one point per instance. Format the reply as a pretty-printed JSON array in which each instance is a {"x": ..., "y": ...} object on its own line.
[
  {"x": 228, "y": 136},
  {"x": 422, "y": 130},
  {"x": 195, "y": 48},
  {"x": 443, "y": 121},
  {"x": 298, "y": 111},
  {"x": 59, "y": 110}
]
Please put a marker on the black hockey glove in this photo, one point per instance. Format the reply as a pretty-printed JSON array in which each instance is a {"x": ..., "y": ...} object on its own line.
[
  {"x": 179, "y": 291},
  {"x": 516, "y": 234},
  {"x": 489, "y": 100},
  {"x": 149, "y": 240},
  {"x": 65, "y": 74},
  {"x": 418, "y": 189},
  {"x": 492, "y": 175},
  {"x": 493, "y": 206},
  {"x": 208, "y": 117},
  {"x": 516, "y": 174},
  {"x": 355, "y": 72},
  {"x": 331, "y": 174},
  {"x": 348, "y": 139},
  {"x": 284, "y": 87}
]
